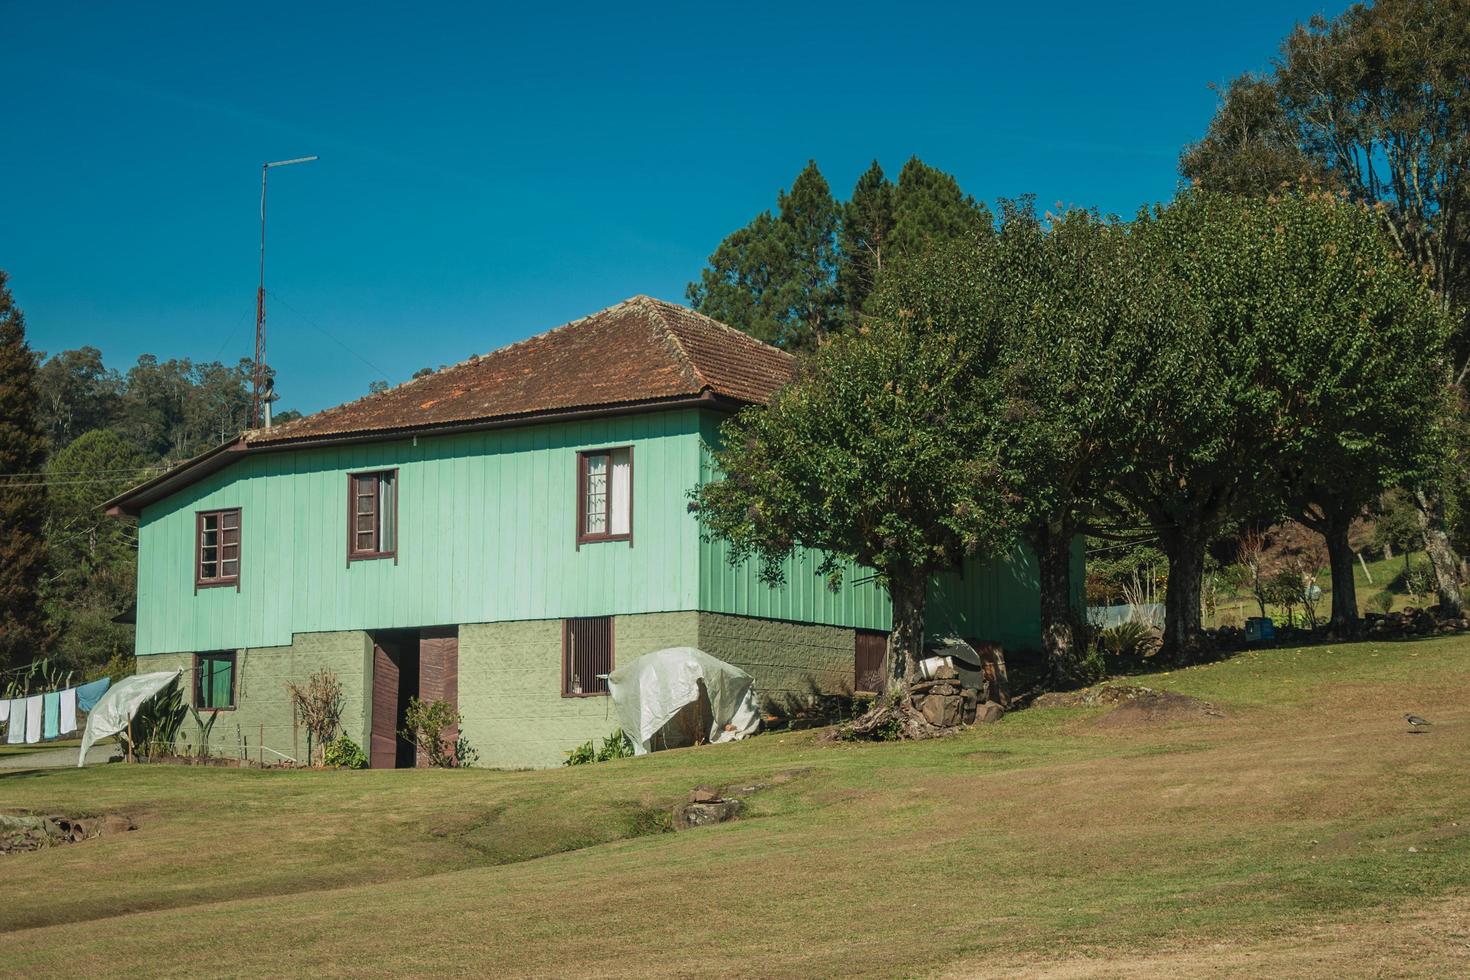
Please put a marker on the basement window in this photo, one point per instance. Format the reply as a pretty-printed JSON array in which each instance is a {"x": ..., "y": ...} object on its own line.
[
  {"x": 217, "y": 548},
  {"x": 586, "y": 656},
  {"x": 605, "y": 495},
  {"x": 372, "y": 515},
  {"x": 214, "y": 681}
]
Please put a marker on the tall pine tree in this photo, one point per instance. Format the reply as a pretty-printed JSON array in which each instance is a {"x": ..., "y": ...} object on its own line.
[
  {"x": 867, "y": 226},
  {"x": 776, "y": 278},
  {"x": 23, "y": 633},
  {"x": 929, "y": 207}
]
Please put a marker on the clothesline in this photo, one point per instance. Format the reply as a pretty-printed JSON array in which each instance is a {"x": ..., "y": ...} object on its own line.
[{"x": 35, "y": 718}]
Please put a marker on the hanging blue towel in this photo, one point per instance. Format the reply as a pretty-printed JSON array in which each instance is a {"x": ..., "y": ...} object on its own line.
[
  {"x": 51, "y": 703},
  {"x": 89, "y": 694}
]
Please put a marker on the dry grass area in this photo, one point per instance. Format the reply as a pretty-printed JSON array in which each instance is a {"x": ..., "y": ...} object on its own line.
[{"x": 1298, "y": 831}]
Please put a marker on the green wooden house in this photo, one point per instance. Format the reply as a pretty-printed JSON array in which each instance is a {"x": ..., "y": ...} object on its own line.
[{"x": 499, "y": 534}]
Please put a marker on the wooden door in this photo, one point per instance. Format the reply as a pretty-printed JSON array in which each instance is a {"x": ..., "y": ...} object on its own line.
[
  {"x": 869, "y": 647},
  {"x": 383, "y": 753},
  {"x": 439, "y": 672}
]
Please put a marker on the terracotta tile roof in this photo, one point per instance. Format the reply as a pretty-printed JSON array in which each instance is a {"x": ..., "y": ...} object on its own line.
[{"x": 641, "y": 350}]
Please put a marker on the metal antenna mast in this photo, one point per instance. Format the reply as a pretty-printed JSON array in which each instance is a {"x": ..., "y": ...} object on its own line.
[{"x": 257, "y": 377}]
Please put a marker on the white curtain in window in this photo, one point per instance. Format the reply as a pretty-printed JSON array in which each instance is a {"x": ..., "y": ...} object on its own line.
[
  {"x": 620, "y": 513},
  {"x": 387, "y": 514}
]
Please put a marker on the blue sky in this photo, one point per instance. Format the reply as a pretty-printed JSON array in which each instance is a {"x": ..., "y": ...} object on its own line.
[{"x": 488, "y": 172}]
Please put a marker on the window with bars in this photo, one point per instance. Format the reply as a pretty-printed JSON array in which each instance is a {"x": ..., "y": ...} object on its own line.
[
  {"x": 217, "y": 548},
  {"x": 605, "y": 495},
  {"x": 372, "y": 514},
  {"x": 214, "y": 680},
  {"x": 586, "y": 656}
]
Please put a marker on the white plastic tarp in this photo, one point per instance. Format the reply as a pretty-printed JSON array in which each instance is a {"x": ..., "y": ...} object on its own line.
[
  {"x": 649, "y": 692},
  {"x": 117, "y": 707}
]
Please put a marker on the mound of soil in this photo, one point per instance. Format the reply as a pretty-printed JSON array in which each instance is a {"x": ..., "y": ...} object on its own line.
[
  {"x": 1091, "y": 696},
  {"x": 1157, "y": 708}
]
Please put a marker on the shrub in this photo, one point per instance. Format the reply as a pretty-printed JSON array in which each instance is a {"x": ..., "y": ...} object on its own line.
[
  {"x": 155, "y": 728},
  {"x": 617, "y": 745},
  {"x": 1381, "y": 602},
  {"x": 343, "y": 753},
  {"x": 1417, "y": 581},
  {"x": 1130, "y": 641},
  {"x": 318, "y": 703},
  {"x": 426, "y": 723}
]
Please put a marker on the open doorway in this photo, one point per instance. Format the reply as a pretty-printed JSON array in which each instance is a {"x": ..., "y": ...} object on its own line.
[{"x": 407, "y": 664}]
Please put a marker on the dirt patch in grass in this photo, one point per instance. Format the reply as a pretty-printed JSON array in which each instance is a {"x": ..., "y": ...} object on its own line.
[{"x": 1157, "y": 708}]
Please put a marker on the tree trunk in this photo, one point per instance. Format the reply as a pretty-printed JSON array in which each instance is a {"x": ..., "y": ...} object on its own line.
[
  {"x": 906, "y": 642},
  {"x": 1061, "y": 636},
  {"x": 1344, "y": 589},
  {"x": 1441, "y": 554},
  {"x": 1185, "y": 549}
]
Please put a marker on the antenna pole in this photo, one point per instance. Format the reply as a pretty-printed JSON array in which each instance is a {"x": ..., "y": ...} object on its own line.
[{"x": 258, "y": 374}]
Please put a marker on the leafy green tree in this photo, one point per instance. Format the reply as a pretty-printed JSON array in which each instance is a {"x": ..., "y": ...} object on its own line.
[
  {"x": 776, "y": 278},
  {"x": 78, "y": 393},
  {"x": 1201, "y": 463},
  {"x": 929, "y": 207},
  {"x": 23, "y": 632},
  {"x": 1354, "y": 415},
  {"x": 93, "y": 557},
  {"x": 1251, "y": 145},
  {"x": 867, "y": 225},
  {"x": 1087, "y": 319},
  {"x": 883, "y": 453}
]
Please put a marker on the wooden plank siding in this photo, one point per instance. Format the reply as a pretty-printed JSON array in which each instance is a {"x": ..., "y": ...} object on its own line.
[{"x": 487, "y": 534}]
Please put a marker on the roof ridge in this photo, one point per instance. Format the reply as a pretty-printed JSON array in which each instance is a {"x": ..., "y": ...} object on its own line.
[
  {"x": 690, "y": 367},
  {"x": 720, "y": 324}
]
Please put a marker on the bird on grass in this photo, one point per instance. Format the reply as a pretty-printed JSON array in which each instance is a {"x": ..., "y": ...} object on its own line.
[{"x": 1419, "y": 724}]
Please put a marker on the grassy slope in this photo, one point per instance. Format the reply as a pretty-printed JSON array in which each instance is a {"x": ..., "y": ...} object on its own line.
[
  {"x": 1234, "y": 608},
  {"x": 1039, "y": 842}
]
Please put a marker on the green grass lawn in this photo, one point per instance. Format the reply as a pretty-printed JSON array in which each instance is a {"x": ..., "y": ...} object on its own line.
[{"x": 1304, "y": 820}]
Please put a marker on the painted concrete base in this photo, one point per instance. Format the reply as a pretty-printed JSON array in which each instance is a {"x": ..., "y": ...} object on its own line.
[
  {"x": 262, "y": 702},
  {"x": 510, "y": 680}
]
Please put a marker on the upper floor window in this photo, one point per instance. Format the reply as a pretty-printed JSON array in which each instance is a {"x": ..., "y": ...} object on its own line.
[
  {"x": 217, "y": 547},
  {"x": 372, "y": 514},
  {"x": 605, "y": 495}
]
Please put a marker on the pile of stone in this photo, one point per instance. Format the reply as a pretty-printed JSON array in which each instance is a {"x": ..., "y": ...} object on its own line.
[
  {"x": 1414, "y": 621},
  {"x": 706, "y": 806},
  {"x": 25, "y": 832},
  {"x": 946, "y": 703}
]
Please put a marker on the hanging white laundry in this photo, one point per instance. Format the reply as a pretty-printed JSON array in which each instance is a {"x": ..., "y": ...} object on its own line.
[
  {"x": 4, "y": 710},
  {"x": 33, "y": 719},
  {"x": 17, "y": 731},
  {"x": 68, "y": 711}
]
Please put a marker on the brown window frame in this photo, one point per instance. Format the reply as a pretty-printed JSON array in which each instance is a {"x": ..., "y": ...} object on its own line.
[
  {"x": 583, "y": 537},
  {"x": 198, "y": 685},
  {"x": 221, "y": 580},
  {"x": 353, "y": 554},
  {"x": 567, "y": 652}
]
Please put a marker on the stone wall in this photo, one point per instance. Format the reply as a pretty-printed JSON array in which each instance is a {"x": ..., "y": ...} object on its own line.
[
  {"x": 510, "y": 685},
  {"x": 789, "y": 661},
  {"x": 261, "y": 698}
]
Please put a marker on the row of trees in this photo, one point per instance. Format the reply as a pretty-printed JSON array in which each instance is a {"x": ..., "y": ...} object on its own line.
[
  {"x": 803, "y": 273},
  {"x": 1287, "y": 341},
  {"x": 1214, "y": 360},
  {"x": 74, "y": 433},
  {"x": 1374, "y": 105}
]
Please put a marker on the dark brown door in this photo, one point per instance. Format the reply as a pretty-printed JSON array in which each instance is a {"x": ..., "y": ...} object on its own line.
[
  {"x": 867, "y": 661},
  {"x": 384, "y": 751},
  {"x": 439, "y": 672}
]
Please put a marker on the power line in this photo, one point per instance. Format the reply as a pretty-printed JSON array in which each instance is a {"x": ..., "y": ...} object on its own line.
[{"x": 331, "y": 336}]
